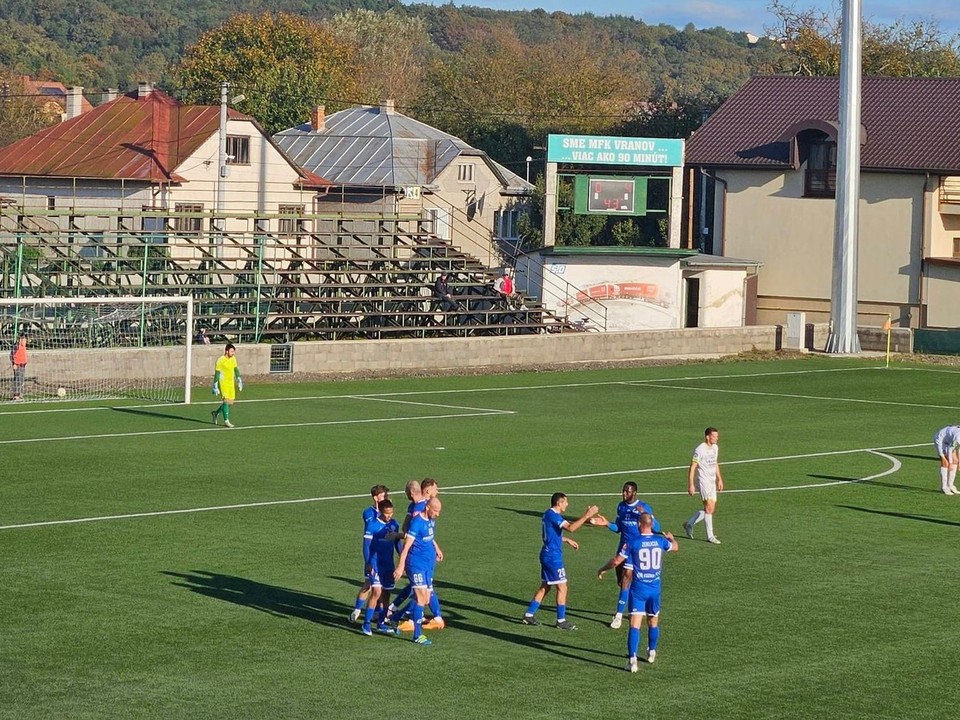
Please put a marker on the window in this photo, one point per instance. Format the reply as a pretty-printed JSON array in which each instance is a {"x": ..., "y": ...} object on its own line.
[
  {"x": 291, "y": 225},
  {"x": 51, "y": 202},
  {"x": 505, "y": 224},
  {"x": 191, "y": 224},
  {"x": 821, "y": 177},
  {"x": 238, "y": 150},
  {"x": 465, "y": 172},
  {"x": 154, "y": 226},
  {"x": 956, "y": 247},
  {"x": 440, "y": 222}
]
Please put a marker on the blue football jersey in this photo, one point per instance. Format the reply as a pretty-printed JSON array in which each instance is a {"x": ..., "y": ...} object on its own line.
[
  {"x": 553, "y": 524},
  {"x": 645, "y": 553},
  {"x": 381, "y": 549},
  {"x": 423, "y": 551}
]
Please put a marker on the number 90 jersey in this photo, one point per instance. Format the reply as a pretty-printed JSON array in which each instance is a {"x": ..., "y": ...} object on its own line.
[{"x": 645, "y": 553}]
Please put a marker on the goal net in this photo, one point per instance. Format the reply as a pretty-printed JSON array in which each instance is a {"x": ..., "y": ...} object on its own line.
[{"x": 94, "y": 348}]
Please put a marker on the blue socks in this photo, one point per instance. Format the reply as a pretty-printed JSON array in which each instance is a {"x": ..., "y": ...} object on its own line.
[
  {"x": 417, "y": 621},
  {"x": 653, "y": 635},
  {"x": 532, "y": 609},
  {"x": 633, "y": 641},
  {"x": 622, "y": 600},
  {"x": 561, "y": 613}
]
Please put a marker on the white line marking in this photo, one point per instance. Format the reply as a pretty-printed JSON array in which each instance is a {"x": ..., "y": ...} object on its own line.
[
  {"x": 216, "y": 428},
  {"x": 451, "y": 490},
  {"x": 504, "y": 388},
  {"x": 433, "y": 405},
  {"x": 896, "y": 465},
  {"x": 641, "y": 383}
]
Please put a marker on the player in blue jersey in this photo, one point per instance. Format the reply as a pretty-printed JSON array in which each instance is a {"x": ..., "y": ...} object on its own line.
[
  {"x": 946, "y": 441},
  {"x": 418, "y": 559},
  {"x": 377, "y": 494},
  {"x": 552, "y": 571},
  {"x": 645, "y": 553},
  {"x": 383, "y": 531},
  {"x": 429, "y": 489},
  {"x": 627, "y": 526},
  {"x": 415, "y": 506}
]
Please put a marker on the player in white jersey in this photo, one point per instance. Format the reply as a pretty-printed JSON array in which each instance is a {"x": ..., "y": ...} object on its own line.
[
  {"x": 946, "y": 441},
  {"x": 705, "y": 477}
]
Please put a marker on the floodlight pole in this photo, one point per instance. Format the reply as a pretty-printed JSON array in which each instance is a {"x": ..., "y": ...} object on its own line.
[
  {"x": 222, "y": 169},
  {"x": 843, "y": 302}
]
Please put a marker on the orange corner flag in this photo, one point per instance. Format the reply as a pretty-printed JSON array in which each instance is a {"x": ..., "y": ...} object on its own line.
[{"x": 886, "y": 325}]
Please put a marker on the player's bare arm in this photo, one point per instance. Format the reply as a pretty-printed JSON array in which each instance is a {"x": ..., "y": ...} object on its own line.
[
  {"x": 613, "y": 562},
  {"x": 578, "y": 523}
]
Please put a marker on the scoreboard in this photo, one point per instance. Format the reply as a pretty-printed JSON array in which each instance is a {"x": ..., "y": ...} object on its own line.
[{"x": 610, "y": 195}]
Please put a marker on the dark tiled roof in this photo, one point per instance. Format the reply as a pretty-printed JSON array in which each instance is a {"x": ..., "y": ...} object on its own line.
[
  {"x": 129, "y": 138},
  {"x": 910, "y": 124}
]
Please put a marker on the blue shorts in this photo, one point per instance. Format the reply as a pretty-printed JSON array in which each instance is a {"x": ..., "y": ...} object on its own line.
[
  {"x": 622, "y": 550},
  {"x": 552, "y": 571},
  {"x": 644, "y": 600},
  {"x": 421, "y": 576},
  {"x": 381, "y": 576}
]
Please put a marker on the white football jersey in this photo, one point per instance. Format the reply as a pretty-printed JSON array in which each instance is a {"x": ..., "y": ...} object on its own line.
[{"x": 706, "y": 458}]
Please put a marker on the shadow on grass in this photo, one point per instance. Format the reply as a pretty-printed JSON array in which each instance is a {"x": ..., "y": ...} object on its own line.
[
  {"x": 912, "y": 456},
  {"x": 531, "y": 637},
  {"x": 538, "y": 514},
  {"x": 876, "y": 483},
  {"x": 163, "y": 415},
  {"x": 904, "y": 516},
  {"x": 274, "y": 600}
]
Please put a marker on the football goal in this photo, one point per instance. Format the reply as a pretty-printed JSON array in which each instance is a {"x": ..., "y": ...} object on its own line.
[{"x": 96, "y": 348}]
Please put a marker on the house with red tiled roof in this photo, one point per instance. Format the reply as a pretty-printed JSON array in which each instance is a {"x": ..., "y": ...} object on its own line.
[
  {"x": 144, "y": 163},
  {"x": 769, "y": 153},
  {"x": 56, "y": 97}
]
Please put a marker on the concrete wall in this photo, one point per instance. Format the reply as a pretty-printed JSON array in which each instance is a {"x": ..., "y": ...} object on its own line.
[{"x": 430, "y": 355}]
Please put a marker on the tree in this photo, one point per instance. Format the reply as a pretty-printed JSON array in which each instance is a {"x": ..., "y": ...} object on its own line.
[
  {"x": 903, "y": 49},
  {"x": 282, "y": 63},
  {"x": 391, "y": 50},
  {"x": 21, "y": 114}
]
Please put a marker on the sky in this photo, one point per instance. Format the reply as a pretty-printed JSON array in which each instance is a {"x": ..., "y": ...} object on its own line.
[{"x": 746, "y": 15}]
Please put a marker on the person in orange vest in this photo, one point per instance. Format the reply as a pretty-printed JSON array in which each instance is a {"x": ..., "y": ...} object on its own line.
[{"x": 18, "y": 359}]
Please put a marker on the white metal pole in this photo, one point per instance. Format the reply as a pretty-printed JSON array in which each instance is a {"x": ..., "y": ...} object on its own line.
[
  {"x": 222, "y": 169},
  {"x": 843, "y": 303},
  {"x": 188, "y": 379}
]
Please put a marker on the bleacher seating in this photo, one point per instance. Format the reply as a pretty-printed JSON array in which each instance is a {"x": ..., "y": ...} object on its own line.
[{"x": 253, "y": 287}]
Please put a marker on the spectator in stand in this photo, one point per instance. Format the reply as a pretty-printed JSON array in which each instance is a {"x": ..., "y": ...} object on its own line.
[
  {"x": 504, "y": 286},
  {"x": 441, "y": 293},
  {"x": 202, "y": 337}
]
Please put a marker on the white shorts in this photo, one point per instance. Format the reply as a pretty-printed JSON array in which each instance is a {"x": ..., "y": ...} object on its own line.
[
  {"x": 708, "y": 490},
  {"x": 947, "y": 450}
]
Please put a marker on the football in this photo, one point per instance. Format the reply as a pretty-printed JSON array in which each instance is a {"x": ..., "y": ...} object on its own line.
[{"x": 61, "y": 392}]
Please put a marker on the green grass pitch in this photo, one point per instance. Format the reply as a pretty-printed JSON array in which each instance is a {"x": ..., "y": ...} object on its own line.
[{"x": 211, "y": 571}]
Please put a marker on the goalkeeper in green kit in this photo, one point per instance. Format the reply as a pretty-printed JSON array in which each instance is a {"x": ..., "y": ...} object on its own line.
[{"x": 226, "y": 383}]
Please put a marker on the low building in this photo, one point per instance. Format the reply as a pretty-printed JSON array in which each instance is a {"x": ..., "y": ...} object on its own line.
[
  {"x": 384, "y": 162},
  {"x": 641, "y": 288},
  {"x": 770, "y": 154}
]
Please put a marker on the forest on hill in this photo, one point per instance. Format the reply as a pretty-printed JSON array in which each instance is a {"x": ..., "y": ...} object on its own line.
[{"x": 501, "y": 80}]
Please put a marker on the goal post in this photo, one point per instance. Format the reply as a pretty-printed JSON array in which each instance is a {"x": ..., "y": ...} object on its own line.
[{"x": 98, "y": 348}]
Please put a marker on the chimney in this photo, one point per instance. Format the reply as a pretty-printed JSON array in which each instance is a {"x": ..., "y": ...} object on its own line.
[
  {"x": 109, "y": 95},
  {"x": 144, "y": 89},
  {"x": 318, "y": 118},
  {"x": 386, "y": 107},
  {"x": 74, "y": 101}
]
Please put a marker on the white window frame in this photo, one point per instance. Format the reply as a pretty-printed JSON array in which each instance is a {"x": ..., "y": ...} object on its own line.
[
  {"x": 465, "y": 172},
  {"x": 440, "y": 220}
]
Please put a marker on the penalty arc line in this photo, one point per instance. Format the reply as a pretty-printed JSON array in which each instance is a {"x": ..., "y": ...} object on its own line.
[
  {"x": 451, "y": 490},
  {"x": 895, "y": 467}
]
